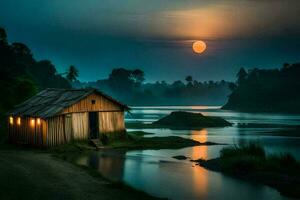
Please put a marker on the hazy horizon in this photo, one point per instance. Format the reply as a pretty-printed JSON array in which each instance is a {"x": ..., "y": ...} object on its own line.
[{"x": 156, "y": 36}]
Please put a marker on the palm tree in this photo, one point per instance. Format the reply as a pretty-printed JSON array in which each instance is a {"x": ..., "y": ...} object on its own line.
[{"x": 72, "y": 73}]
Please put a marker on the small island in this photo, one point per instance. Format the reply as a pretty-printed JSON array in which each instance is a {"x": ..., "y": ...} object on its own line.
[{"x": 188, "y": 120}]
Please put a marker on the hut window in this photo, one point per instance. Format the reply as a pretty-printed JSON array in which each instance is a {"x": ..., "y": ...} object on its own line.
[
  {"x": 38, "y": 121},
  {"x": 32, "y": 122},
  {"x": 11, "y": 120},
  {"x": 93, "y": 101},
  {"x": 19, "y": 120}
]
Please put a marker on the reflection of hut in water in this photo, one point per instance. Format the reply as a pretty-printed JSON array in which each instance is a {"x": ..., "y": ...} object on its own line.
[
  {"x": 109, "y": 164},
  {"x": 58, "y": 116}
]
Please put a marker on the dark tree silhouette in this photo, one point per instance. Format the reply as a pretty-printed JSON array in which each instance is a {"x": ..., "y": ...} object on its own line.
[
  {"x": 267, "y": 90},
  {"x": 21, "y": 76},
  {"x": 189, "y": 79},
  {"x": 241, "y": 75},
  {"x": 286, "y": 65},
  {"x": 232, "y": 86},
  {"x": 72, "y": 73},
  {"x": 3, "y": 36},
  {"x": 138, "y": 77},
  {"x": 129, "y": 87}
]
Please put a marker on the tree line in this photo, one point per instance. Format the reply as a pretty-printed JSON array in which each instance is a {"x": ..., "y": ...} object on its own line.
[
  {"x": 129, "y": 86},
  {"x": 22, "y": 76},
  {"x": 266, "y": 90}
]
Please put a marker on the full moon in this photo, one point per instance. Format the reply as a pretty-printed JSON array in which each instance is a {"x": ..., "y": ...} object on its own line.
[{"x": 199, "y": 46}]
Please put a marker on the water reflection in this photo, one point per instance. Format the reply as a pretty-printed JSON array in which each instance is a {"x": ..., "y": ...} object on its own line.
[
  {"x": 150, "y": 114},
  {"x": 157, "y": 173},
  {"x": 110, "y": 163},
  {"x": 200, "y": 181},
  {"x": 200, "y": 136}
]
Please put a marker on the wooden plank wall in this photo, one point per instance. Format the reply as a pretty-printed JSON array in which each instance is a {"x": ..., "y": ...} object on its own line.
[
  {"x": 85, "y": 105},
  {"x": 60, "y": 129},
  {"x": 111, "y": 122},
  {"x": 27, "y": 132},
  {"x": 80, "y": 126},
  {"x": 55, "y": 134},
  {"x": 68, "y": 128}
]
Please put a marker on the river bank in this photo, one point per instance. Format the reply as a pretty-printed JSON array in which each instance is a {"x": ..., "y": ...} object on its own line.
[
  {"x": 52, "y": 173},
  {"x": 251, "y": 163},
  {"x": 31, "y": 174}
]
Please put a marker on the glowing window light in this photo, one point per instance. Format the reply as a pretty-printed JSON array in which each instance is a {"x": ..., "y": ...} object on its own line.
[
  {"x": 19, "y": 120},
  {"x": 11, "y": 120},
  {"x": 38, "y": 121},
  {"x": 32, "y": 122}
]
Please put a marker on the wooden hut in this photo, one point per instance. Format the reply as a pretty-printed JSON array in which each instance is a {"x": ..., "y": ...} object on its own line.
[{"x": 58, "y": 116}]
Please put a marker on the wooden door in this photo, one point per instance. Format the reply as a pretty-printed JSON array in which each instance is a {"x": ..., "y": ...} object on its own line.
[{"x": 93, "y": 125}]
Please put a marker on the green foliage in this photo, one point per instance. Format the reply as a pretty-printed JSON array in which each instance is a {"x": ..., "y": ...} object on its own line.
[
  {"x": 135, "y": 141},
  {"x": 241, "y": 76},
  {"x": 21, "y": 76},
  {"x": 261, "y": 90},
  {"x": 45, "y": 75},
  {"x": 189, "y": 79},
  {"x": 284, "y": 163},
  {"x": 250, "y": 162},
  {"x": 138, "y": 77},
  {"x": 72, "y": 74},
  {"x": 140, "y": 133},
  {"x": 3, "y": 36},
  {"x": 251, "y": 157},
  {"x": 128, "y": 86},
  {"x": 24, "y": 88},
  {"x": 248, "y": 149}
]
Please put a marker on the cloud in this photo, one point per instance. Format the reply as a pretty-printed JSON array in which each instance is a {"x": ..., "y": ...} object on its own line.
[
  {"x": 232, "y": 20},
  {"x": 170, "y": 19}
]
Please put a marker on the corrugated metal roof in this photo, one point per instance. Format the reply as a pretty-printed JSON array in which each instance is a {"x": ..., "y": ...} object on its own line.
[{"x": 51, "y": 102}]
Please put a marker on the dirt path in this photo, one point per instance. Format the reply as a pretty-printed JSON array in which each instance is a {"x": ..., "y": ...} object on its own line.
[{"x": 32, "y": 175}]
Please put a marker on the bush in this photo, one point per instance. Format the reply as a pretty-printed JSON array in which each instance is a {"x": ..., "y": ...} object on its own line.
[
  {"x": 242, "y": 164},
  {"x": 248, "y": 149},
  {"x": 252, "y": 157}
]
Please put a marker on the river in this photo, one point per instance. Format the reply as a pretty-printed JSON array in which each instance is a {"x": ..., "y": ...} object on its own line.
[{"x": 157, "y": 173}]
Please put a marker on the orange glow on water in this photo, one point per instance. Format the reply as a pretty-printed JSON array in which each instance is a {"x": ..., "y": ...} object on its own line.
[
  {"x": 198, "y": 152},
  {"x": 200, "y": 175}
]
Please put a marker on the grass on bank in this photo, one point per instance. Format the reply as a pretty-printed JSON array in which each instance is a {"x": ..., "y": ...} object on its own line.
[
  {"x": 134, "y": 141},
  {"x": 250, "y": 162},
  {"x": 252, "y": 158}
]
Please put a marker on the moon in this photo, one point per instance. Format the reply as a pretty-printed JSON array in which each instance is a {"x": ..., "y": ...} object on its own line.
[{"x": 199, "y": 46}]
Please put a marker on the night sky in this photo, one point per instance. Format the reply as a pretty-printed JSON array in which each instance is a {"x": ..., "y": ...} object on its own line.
[{"x": 156, "y": 35}]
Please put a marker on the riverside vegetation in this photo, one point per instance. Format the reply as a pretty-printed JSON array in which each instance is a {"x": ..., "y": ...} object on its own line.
[{"x": 250, "y": 162}]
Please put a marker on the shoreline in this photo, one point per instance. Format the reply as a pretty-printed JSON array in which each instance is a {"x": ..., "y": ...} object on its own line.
[
  {"x": 42, "y": 175},
  {"x": 287, "y": 185},
  {"x": 52, "y": 173}
]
